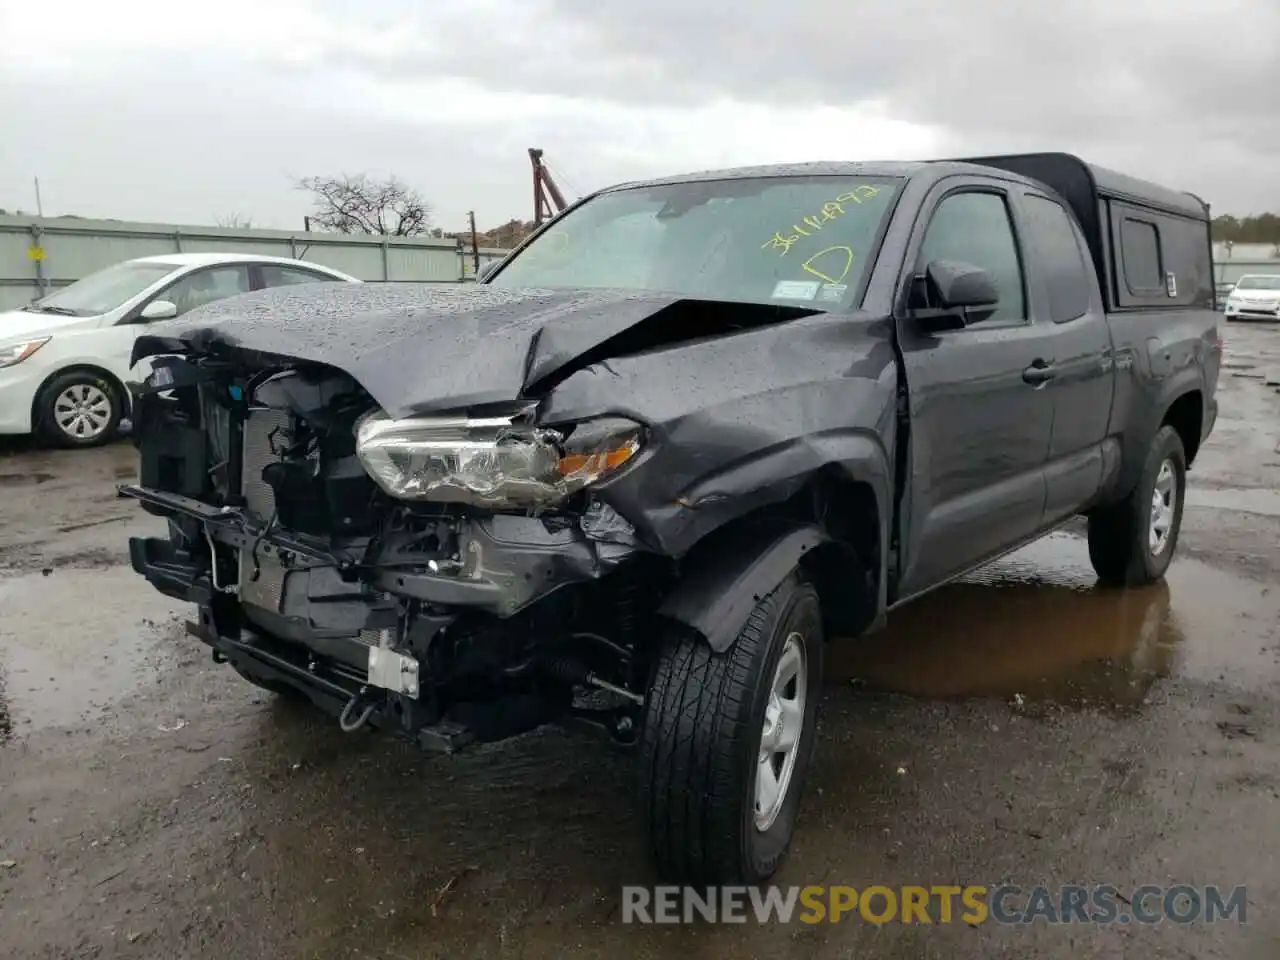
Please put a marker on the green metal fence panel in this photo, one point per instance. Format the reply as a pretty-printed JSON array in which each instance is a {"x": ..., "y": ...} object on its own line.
[{"x": 38, "y": 254}]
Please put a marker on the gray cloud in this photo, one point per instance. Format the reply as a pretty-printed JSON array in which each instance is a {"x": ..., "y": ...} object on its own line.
[
  {"x": 1181, "y": 91},
  {"x": 214, "y": 139}
]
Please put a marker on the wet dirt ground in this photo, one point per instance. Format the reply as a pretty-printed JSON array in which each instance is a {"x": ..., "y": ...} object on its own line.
[{"x": 1021, "y": 726}]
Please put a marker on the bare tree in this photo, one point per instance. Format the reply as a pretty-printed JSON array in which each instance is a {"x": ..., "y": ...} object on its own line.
[
  {"x": 234, "y": 221},
  {"x": 356, "y": 204}
]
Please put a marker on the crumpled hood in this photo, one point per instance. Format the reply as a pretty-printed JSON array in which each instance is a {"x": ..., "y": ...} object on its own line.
[{"x": 414, "y": 347}]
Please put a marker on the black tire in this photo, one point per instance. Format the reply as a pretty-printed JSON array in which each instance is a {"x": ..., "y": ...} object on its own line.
[
  {"x": 701, "y": 743},
  {"x": 1119, "y": 542},
  {"x": 46, "y": 422}
]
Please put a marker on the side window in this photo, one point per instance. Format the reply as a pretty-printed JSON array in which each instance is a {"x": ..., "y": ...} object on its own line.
[
  {"x": 1140, "y": 254},
  {"x": 274, "y": 276},
  {"x": 205, "y": 286},
  {"x": 1059, "y": 257},
  {"x": 975, "y": 228}
]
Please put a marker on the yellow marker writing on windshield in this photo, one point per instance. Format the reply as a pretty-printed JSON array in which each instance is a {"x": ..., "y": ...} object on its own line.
[
  {"x": 858, "y": 194},
  {"x": 780, "y": 242},
  {"x": 836, "y": 257},
  {"x": 783, "y": 241}
]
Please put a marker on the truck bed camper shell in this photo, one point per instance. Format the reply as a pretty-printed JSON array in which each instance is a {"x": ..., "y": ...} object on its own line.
[{"x": 1122, "y": 213}]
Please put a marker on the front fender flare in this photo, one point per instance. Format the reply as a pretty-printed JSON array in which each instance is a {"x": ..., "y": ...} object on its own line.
[{"x": 730, "y": 573}]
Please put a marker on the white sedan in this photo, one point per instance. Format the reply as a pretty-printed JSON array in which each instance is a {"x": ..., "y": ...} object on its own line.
[
  {"x": 1254, "y": 297},
  {"x": 64, "y": 359}
]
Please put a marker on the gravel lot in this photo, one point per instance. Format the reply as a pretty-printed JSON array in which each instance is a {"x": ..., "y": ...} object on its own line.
[{"x": 1021, "y": 726}]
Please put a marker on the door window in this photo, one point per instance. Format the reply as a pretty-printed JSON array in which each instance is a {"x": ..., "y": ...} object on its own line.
[
  {"x": 274, "y": 276},
  {"x": 205, "y": 286},
  {"x": 975, "y": 228},
  {"x": 1058, "y": 257}
]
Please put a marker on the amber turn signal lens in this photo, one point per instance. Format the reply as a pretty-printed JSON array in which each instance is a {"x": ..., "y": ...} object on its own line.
[{"x": 598, "y": 462}]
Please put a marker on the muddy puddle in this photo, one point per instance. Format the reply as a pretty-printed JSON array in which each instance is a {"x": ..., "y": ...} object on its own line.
[
  {"x": 1245, "y": 500},
  {"x": 1036, "y": 626},
  {"x": 1033, "y": 625},
  {"x": 75, "y": 641}
]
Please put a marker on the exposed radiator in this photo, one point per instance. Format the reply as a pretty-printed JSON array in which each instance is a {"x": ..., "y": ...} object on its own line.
[
  {"x": 268, "y": 587},
  {"x": 258, "y": 430}
]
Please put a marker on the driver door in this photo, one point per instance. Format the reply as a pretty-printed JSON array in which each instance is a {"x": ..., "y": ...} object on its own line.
[{"x": 979, "y": 430}]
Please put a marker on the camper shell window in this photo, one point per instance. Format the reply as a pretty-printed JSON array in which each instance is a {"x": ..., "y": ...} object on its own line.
[{"x": 1140, "y": 256}]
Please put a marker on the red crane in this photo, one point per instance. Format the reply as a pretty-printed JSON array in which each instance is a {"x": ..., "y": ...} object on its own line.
[{"x": 547, "y": 198}]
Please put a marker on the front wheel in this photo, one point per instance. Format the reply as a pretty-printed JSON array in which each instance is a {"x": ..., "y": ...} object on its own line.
[
  {"x": 1131, "y": 543},
  {"x": 78, "y": 409},
  {"x": 727, "y": 740}
]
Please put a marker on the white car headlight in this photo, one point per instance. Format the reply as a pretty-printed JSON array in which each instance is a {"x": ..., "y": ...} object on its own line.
[
  {"x": 12, "y": 353},
  {"x": 490, "y": 462}
]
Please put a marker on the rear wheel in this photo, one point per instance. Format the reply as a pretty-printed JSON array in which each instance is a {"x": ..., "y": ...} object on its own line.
[
  {"x": 727, "y": 741},
  {"x": 78, "y": 409},
  {"x": 1132, "y": 542}
]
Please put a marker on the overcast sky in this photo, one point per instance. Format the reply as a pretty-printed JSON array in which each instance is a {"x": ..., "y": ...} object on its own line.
[{"x": 186, "y": 112}]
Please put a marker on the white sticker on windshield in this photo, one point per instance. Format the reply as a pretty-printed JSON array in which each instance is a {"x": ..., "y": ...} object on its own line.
[
  {"x": 832, "y": 292},
  {"x": 795, "y": 290}
]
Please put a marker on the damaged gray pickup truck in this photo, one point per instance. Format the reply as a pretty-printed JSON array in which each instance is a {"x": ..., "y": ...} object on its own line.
[{"x": 687, "y": 433}]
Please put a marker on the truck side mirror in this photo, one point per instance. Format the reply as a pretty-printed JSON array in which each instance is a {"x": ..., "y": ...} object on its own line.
[{"x": 953, "y": 293}]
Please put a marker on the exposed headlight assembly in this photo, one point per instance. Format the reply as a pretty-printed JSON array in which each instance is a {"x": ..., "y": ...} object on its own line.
[
  {"x": 491, "y": 462},
  {"x": 12, "y": 353}
]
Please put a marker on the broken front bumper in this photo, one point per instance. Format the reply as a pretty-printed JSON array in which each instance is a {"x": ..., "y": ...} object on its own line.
[
  {"x": 508, "y": 561},
  {"x": 324, "y": 617}
]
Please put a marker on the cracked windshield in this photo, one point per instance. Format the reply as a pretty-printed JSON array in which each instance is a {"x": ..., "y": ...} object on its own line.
[{"x": 794, "y": 239}]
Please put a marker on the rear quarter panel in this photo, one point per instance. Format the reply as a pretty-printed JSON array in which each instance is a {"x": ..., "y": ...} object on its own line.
[
  {"x": 1159, "y": 356},
  {"x": 1167, "y": 339}
]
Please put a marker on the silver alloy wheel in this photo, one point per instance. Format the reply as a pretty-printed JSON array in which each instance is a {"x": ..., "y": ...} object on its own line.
[
  {"x": 1164, "y": 500},
  {"x": 780, "y": 738},
  {"x": 82, "y": 411}
]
